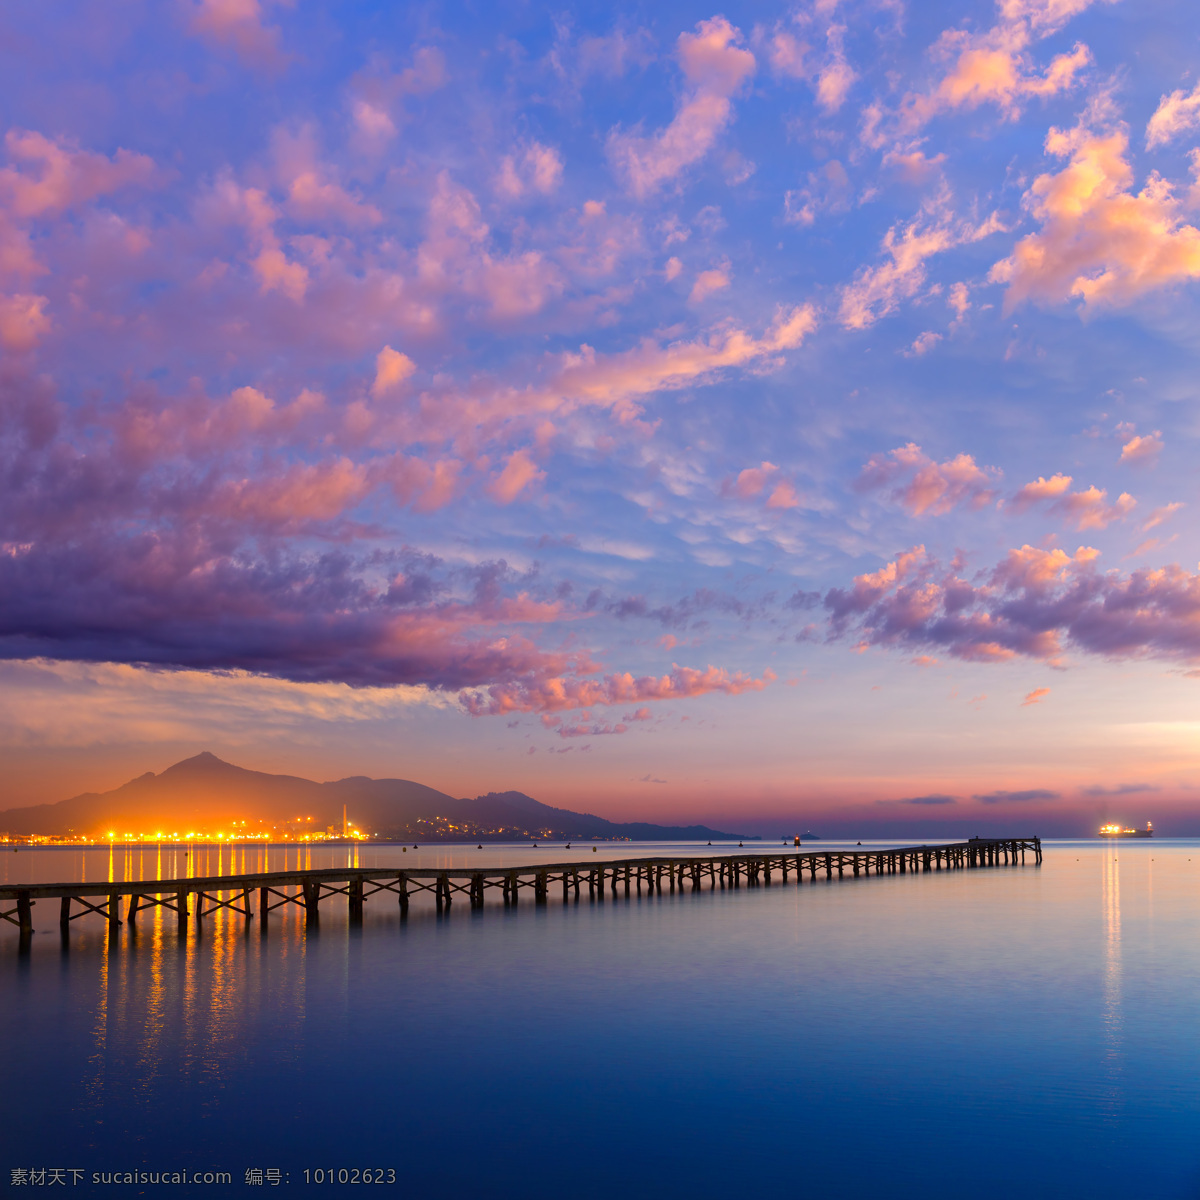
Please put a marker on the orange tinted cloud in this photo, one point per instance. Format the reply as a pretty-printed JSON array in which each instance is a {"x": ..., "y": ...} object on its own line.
[
  {"x": 1035, "y": 697},
  {"x": 993, "y": 67},
  {"x": 1099, "y": 241}
]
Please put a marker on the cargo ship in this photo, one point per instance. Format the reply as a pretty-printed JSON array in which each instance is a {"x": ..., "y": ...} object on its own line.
[{"x": 1124, "y": 831}]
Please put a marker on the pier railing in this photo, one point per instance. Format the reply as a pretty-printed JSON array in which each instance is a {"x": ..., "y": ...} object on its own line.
[{"x": 200, "y": 897}]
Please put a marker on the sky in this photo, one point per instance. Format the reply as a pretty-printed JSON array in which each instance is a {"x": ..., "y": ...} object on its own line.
[{"x": 779, "y": 416}]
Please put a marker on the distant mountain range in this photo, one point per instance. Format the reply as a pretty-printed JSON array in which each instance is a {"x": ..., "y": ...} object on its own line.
[{"x": 206, "y": 794}]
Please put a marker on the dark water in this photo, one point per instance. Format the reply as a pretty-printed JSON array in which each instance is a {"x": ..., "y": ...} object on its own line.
[{"x": 984, "y": 1033}]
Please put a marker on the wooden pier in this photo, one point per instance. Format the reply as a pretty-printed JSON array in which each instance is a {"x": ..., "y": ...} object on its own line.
[{"x": 197, "y": 898}]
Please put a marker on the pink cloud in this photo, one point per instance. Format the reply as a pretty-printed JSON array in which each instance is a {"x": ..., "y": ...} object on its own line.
[
  {"x": 1159, "y": 515},
  {"x": 750, "y": 482},
  {"x": 923, "y": 343},
  {"x": 1142, "y": 449},
  {"x": 1098, "y": 241},
  {"x": 828, "y": 190},
  {"x": 708, "y": 282},
  {"x": 1035, "y": 604},
  {"x": 376, "y": 96},
  {"x": 53, "y": 176},
  {"x": 519, "y": 472},
  {"x": 1042, "y": 489},
  {"x": 620, "y": 382},
  {"x": 1035, "y": 697},
  {"x": 391, "y": 369},
  {"x": 928, "y": 486},
  {"x": 313, "y": 194},
  {"x": 536, "y": 168},
  {"x": 253, "y": 211},
  {"x": 783, "y": 495},
  {"x": 23, "y": 321},
  {"x": 753, "y": 481},
  {"x": 913, "y": 166},
  {"x": 1088, "y": 509},
  {"x": 715, "y": 67},
  {"x": 876, "y": 291},
  {"x": 993, "y": 67},
  {"x": 830, "y": 73},
  {"x": 457, "y": 253},
  {"x": 562, "y": 693},
  {"x": 1177, "y": 113},
  {"x": 238, "y": 25}
]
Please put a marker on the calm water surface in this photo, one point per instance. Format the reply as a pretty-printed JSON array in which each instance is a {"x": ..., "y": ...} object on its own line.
[{"x": 971, "y": 1033}]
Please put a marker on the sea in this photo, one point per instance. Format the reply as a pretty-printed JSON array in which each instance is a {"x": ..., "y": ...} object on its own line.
[{"x": 1018, "y": 1030}]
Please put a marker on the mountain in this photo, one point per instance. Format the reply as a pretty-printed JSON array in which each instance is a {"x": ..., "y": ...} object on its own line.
[{"x": 208, "y": 795}]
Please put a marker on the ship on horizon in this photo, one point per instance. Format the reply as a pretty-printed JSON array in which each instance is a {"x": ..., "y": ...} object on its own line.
[{"x": 1123, "y": 831}]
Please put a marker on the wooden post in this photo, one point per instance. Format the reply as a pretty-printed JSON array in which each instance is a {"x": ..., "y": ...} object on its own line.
[
  {"x": 402, "y": 892},
  {"x": 355, "y": 895},
  {"x": 539, "y": 887},
  {"x": 181, "y": 912},
  {"x": 64, "y": 913},
  {"x": 312, "y": 899},
  {"x": 24, "y": 912},
  {"x": 114, "y": 910},
  {"x": 264, "y": 904}
]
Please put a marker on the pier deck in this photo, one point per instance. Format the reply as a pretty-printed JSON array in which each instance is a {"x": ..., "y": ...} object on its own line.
[{"x": 199, "y": 897}]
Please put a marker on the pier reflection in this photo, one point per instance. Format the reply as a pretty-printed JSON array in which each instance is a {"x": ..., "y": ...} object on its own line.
[
  {"x": 168, "y": 1012},
  {"x": 1112, "y": 1013}
]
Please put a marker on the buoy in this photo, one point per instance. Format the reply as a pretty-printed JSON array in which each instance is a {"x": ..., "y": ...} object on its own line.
[
  {"x": 593, "y": 849},
  {"x": 479, "y": 847}
]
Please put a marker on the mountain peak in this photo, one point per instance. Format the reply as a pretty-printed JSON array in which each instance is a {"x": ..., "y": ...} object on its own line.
[{"x": 204, "y": 761}]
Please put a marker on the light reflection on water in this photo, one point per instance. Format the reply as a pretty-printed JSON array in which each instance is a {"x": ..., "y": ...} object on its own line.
[{"x": 844, "y": 1034}]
